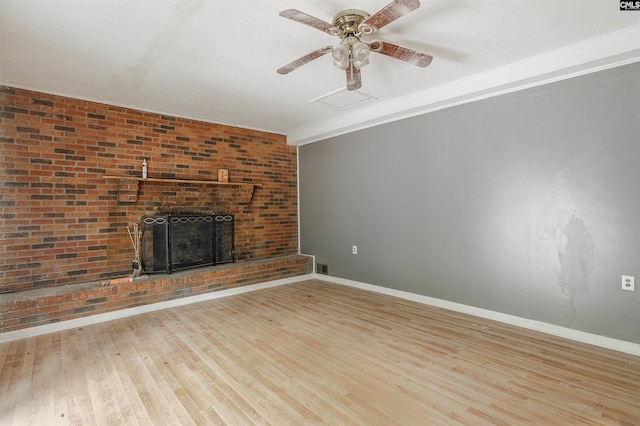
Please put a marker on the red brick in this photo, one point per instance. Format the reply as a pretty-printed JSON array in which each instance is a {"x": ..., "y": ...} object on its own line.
[{"x": 66, "y": 304}]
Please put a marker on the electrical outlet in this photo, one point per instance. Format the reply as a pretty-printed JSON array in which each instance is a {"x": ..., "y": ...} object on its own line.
[
  {"x": 628, "y": 283},
  {"x": 354, "y": 250}
]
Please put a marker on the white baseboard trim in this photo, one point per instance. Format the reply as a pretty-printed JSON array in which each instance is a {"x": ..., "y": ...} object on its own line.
[
  {"x": 552, "y": 329},
  {"x": 123, "y": 313}
]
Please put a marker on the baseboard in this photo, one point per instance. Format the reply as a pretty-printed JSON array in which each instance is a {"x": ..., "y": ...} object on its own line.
[
  {"x": 123, "y": 313},
  {"x": 552, "y": 329}
]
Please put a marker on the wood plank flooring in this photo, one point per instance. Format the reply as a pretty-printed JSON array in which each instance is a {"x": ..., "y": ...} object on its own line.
[{"x": 312, "y": 353}]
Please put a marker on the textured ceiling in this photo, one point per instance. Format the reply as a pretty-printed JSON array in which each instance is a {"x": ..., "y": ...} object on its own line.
[{"x": 216, "y": 60}]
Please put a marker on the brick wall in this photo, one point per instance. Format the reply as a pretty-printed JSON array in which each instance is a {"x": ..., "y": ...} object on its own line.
[{"x": 61, "y": 223}]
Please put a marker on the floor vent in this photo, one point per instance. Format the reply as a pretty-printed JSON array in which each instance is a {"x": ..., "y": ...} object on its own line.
[{"x": 321, "y": 268}]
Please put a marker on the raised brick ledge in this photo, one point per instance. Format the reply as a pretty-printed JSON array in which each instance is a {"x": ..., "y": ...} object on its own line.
[{"x": 45, "y": 306}]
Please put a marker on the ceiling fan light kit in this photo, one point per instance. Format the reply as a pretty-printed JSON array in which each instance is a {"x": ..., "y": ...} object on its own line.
[
  {"x": 352, "y": 53},
  {"x": 351, "y": 50}
]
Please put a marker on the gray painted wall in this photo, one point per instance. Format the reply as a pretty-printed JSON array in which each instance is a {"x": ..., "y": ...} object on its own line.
[{"x": 526, "y": 204}]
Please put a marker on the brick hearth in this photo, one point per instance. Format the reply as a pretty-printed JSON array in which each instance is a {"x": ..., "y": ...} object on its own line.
[{"x": 45, "y": 306}]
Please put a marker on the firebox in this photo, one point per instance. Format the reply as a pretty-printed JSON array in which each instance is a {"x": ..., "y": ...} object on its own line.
[{"x": 175, "y": 242}]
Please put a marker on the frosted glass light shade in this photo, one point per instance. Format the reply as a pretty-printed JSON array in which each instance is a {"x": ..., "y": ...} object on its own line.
[
  {"x": 360, "y": 54},
  {"x": 341, "y": 56}
]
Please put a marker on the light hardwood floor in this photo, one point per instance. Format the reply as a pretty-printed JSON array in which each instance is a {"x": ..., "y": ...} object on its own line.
[{"x": 313, "y": 353}]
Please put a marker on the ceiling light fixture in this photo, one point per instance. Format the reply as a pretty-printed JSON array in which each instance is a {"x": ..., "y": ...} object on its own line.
[{"x": 351, "y": 53}]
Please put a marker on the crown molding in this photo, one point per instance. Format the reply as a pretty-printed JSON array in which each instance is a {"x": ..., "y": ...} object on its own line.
[{"x": 609, "y": 51}]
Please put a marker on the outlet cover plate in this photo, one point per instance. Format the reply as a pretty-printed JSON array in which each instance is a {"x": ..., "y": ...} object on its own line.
[{"x": 628, "y": 283}]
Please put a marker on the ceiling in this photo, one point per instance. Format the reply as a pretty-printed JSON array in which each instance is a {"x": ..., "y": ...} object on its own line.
[{"x": 216, "y": 60}]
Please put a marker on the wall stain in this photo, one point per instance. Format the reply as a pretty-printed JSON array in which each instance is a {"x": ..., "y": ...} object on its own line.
[
  {"x": 575, "y": 256},
  {"x": 551, "y": 220}
]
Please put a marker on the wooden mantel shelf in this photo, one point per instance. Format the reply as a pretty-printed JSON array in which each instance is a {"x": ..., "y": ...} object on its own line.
[
  {"x": 130, "y": 195},
  {"x": 172, "y": 180}
]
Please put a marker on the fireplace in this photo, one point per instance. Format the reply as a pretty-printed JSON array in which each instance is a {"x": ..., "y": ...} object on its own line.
[{"x": 172, "y": 243}]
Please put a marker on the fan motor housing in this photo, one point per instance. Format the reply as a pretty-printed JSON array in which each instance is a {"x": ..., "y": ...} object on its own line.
[{"x": 348, "y": 20}]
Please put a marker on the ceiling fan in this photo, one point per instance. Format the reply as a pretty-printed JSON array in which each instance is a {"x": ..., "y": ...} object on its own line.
[{"x": 353, "y": 53}]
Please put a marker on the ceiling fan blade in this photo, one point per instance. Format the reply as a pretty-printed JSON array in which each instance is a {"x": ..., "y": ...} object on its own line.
[
  {"x": 305, "y": 60},
  {"x": 354, "y": 80},
  {"x": 394, "y": 10},
  {"x": 312, "y": 21},
  {"x": 403, "y": 53}
]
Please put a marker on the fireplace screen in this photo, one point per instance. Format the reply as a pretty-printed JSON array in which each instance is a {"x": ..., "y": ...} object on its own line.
[{"x": 175, "y": 242}]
